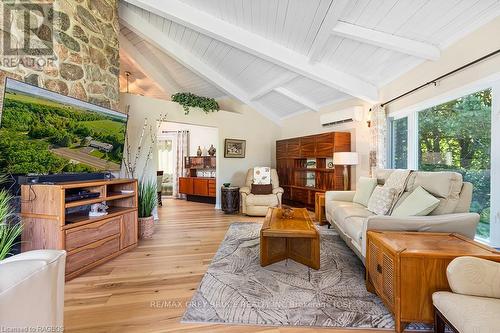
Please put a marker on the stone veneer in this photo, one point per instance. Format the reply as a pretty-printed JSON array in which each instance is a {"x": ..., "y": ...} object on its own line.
[{"x": 86, "y": 52}]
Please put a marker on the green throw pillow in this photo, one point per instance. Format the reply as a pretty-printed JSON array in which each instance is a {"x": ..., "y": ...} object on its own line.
[
  {"x": 418, "y": 203},
  {"x": 364, "y": 190}
]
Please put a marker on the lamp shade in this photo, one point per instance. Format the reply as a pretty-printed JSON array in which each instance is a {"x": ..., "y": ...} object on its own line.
[{"x": 345, "y": 158}]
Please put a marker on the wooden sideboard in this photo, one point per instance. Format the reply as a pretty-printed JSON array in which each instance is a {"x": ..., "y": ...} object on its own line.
[
  {"x": 197, "y": 186},
  {"x": 50, "y": 222},
  {"x": 405, "y": 268},
  {"x": 301, "y": 181}
]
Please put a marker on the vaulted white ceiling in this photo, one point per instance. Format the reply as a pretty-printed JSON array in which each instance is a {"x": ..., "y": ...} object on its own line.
[{"x": 283, "y": 57}]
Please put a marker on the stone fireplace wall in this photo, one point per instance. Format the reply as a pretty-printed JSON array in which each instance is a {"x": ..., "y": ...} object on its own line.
[{"x": 85, "y": 63}]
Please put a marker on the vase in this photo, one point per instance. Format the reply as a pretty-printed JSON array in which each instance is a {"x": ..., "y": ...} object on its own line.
[
  {"x": 211, "y": 151},
  {"x": 146, "y": 227},
  {"x": 199, "y": 152}
]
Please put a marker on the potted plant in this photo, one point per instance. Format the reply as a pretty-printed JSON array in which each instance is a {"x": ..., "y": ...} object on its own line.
[
  {"x": 8, "y": 232},
  {"x": 147, "y": 203}
]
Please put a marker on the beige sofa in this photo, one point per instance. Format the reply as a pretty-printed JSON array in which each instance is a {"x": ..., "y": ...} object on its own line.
[
  {"x": 473, "y": 306},
  {"x": 32, "y": 291},
  {"x": 257, "y": 205},
  {"x": 352, "y": 220}
]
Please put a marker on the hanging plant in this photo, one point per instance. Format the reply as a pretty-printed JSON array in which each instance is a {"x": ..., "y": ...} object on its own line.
[{"x": 188, "y": 100}]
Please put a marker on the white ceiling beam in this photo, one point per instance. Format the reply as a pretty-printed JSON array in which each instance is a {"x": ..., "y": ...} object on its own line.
[
  {"x": 156, "y": 37},
  {"x": 276, "y": 82},
  {"x": 148, "y": 67},
  {"x": 325, "y": 31},
  {"x": 255, "y": 44},
  {"x": 296, "y": 98},
  {"x": 387, "y": 41}
]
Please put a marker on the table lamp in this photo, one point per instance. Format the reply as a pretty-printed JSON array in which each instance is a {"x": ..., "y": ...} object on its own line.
[{"x": 345, "y": 159}]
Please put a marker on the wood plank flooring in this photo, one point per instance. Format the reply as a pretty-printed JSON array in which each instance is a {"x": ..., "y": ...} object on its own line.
[{"x": 146, "y": 289}]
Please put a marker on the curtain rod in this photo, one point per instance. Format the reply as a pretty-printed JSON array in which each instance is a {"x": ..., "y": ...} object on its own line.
[{"x": 443, "y": 76}]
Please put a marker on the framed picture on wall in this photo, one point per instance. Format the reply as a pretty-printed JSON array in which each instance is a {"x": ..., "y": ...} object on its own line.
[{"x": 234, "y": 148}]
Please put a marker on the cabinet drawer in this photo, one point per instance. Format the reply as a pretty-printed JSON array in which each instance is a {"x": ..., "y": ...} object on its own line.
[
  {"x": 89, "y": 233},
  {"x": 200, "y": 187},
  {"x": 299, "y": 195},
  {"x": 92, "y": 253}
]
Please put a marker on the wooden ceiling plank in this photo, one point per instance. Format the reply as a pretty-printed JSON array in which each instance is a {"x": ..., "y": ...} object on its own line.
[{"x": 259, "y": 46}]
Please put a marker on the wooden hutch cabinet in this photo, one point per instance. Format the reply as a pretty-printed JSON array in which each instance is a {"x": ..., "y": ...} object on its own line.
[
  {"x": 194, "y": 186},
  {"x": 303, "y": 166}
]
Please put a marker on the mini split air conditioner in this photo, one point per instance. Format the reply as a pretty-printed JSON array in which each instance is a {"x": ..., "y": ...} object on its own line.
[{"x": 342, "y": 116}]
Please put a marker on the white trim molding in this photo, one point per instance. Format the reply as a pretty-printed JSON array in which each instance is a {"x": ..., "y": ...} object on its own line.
[{"x": 387, "y": 41}]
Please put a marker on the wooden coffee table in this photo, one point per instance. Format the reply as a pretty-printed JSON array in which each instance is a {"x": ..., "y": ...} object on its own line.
[{"x": 296, "y": 238}]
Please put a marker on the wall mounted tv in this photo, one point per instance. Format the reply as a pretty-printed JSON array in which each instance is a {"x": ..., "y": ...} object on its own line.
[{"x": 42, "y": 132}]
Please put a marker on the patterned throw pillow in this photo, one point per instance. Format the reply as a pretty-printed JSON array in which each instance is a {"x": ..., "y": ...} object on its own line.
[
  {"x": 381, "y": 200},
  {"x": 262, "y": 175}
]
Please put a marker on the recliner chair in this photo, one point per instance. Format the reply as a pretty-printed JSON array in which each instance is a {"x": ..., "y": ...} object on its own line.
[{"x": 257, "y": 205}]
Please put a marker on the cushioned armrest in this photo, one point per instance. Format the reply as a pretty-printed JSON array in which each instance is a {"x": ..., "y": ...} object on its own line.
[
  {"x": 339, "y": 195},
  {"x": 474, "y": 276},
  {"x": 463, "y": 223},
  {"x": 245, "y": 190},
  {"x": 278, "y": 190}
]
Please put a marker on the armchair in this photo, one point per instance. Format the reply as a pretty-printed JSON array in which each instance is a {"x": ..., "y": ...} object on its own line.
[
  {"x": 473, "y": 304},
  {"x": 257, "y": 205},
  {"x": 32, "y": 290}
]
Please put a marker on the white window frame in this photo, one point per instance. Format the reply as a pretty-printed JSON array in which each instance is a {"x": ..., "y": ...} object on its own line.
[{"x": 491, "y": 82}]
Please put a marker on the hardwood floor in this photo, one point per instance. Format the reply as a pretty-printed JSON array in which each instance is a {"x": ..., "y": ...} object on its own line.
[{"x": 146, "y": 289}]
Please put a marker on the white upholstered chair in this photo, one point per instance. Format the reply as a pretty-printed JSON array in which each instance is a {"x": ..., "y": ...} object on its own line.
[
  {"x": 257, "y": 205},
  {"x": 473, "y": 305},
  {"x": 32, "y": 290}
]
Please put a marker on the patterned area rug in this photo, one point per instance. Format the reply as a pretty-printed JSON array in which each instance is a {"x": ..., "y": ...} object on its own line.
[{"x": 237, "y": 290}]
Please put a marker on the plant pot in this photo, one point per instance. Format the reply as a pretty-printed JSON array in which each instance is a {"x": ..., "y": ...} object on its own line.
[{"x": 146, "y": 227}]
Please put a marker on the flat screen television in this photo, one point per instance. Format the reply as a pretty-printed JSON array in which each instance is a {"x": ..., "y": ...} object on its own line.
[{"x": 43, "y": 132}]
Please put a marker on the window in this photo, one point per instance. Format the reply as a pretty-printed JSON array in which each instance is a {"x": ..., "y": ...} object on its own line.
[
  {"x": 399, "y": 143},
  {"x": 456, "y": 136},
  {"x": 453, "y": 136}
]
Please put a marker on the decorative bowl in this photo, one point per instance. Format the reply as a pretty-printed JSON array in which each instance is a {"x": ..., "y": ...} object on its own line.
[
  {"x": 287, "y": 213},
  {"x": 226, "y": 184}
]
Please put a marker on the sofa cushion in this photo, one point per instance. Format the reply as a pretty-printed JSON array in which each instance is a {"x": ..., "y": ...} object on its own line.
[
  {"x": 353, "y": 227},
  {"x": 270, "y": 200},
  {"x": 341, "y": 211},
  {"x": 445, "y": 185},
  {"x": 469, "y": 314},
  {"x": 364, "y": 190},
  {"x": 381, "y": 200},
  {"x": 418, "y": 203}
]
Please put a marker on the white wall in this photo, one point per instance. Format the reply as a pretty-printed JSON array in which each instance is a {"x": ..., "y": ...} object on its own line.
[
  {"x": 247, "y": 124},
  {"x": 199, "y": 136},
  {"x": 309, "y": 123}
]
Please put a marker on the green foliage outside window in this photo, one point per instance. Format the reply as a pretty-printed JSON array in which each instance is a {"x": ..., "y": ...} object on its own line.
[{"x": 456, "y": 136}]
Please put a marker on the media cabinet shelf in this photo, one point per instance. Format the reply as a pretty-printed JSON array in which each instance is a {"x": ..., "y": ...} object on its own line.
[
  {"x": 52, "y": 223},
  {"x": 78, "y": 219},
  {"x": 85, "y": 202}
]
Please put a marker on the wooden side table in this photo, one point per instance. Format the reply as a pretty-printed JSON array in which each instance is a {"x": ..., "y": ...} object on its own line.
[
  {"x": 319, "y": 205},
  {"x": 405, "y": 268},
  {"x": 230, "y": 199}
]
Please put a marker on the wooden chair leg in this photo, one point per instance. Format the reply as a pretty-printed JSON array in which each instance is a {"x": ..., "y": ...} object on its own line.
[{"x": 439, "y": 323}]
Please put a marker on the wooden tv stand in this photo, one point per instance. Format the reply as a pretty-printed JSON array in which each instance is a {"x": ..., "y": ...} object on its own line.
[{"x": 52, "y": 223}]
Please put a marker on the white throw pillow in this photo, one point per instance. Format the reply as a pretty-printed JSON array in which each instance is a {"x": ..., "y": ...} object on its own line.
[
  {"x": 381, "y": 200},
  {"x": 418, "y": 203},
  {"x": 261, "y": 175},
  {"x": 364, "y": 190}
]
